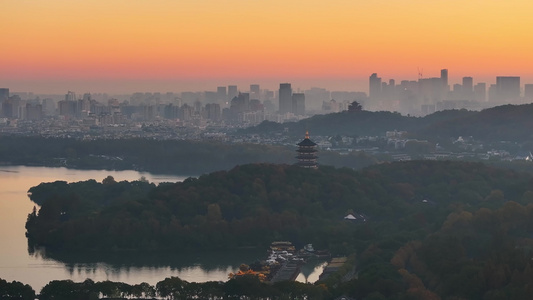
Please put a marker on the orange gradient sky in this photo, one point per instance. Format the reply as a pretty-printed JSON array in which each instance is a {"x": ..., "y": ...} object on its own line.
[{"x": 176, "y": 45}]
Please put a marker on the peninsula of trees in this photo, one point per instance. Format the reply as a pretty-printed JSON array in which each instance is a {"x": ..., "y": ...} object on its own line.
[{"x": 431, "y": 230}]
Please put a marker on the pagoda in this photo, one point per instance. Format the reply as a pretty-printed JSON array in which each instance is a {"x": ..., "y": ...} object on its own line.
[{"x": 307, "y": 153}]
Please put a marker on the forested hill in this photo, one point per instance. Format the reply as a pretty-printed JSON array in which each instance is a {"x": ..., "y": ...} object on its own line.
[
  {"x": 502, "y": 123},
  {"x": 507, "y": 122},
  {"x": 252, "y": 205},
  {"x": 181, "y": 157}
]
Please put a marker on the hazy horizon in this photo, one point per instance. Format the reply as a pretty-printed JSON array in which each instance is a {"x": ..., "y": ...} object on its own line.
[
  {"x": 129, "y": 86},
  {"x": 117, "y": 46}
]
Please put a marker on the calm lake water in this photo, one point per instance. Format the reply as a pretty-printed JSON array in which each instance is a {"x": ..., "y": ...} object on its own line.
[{"x": 37, "y": 269}]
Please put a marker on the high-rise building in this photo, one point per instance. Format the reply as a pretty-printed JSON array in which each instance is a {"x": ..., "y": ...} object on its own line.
[
  {"x": 34, "y": 112},
  {"x": 4, "y": 94},
  {"x": 430, "y": 90},
  {"x": 255, "y": 91},
  {"x": 213, "y": 112},
  {"x": 480, "y": 92},
  {"x": 285, "y": 98},
  {"x": 374, "y": 88},
  {"x": 232, "y": 92},
  {"x": 528, "y": 91},
  {"x": 444, "y": 79},
  {"x": 468, "y": 84},
  {"x": 241, "y": 103},
  {"x": 222, "y": 95},
  {"x": 70, "y": 96},
  {"x": 508, "y": 87},
  {"x": 298, "y": 104},
  {"x": 493, "y": 93},
  {"x": 68, "y": 108}
]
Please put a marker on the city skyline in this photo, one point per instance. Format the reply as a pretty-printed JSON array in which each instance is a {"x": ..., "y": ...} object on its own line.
[{"x": 123, "y": 47}]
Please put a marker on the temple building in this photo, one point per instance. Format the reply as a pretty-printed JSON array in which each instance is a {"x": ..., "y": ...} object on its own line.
[{"x": 307, "y": 153}]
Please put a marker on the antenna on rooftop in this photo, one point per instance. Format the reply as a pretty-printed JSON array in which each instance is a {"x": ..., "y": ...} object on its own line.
[{"x": 420, "y": 76}]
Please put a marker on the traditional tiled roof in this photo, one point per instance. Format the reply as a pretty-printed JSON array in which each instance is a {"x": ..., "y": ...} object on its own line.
[{"x": 307, "y": 142}]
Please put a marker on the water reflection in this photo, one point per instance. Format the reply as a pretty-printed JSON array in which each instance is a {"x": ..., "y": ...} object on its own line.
[
  {"x": 36, "y": 267},
  {"x": 127, "y": 261}
]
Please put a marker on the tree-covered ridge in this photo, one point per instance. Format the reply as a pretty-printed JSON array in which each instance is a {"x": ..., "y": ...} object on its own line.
[
  {"x": 157, "y": 156},
  {"x": 501, "y": 123},
  {"x": 363, "y": 123},
  {"x": 507, "y": 122},
  {"x": 252, "y": 205},
  {"x": 486, "y": 255}
]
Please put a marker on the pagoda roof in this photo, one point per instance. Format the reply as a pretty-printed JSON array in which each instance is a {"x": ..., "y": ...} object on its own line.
[{"x": 306, "y": 142}]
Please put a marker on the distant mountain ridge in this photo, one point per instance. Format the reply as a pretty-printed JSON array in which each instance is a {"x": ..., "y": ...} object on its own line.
[{"x": 507, "y": 122}]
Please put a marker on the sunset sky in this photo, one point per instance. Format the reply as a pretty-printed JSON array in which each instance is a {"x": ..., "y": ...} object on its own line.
[{"x": 176, "y": 45}]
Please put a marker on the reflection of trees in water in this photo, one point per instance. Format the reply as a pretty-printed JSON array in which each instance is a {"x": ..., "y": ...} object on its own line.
[{"x": 126, "y": 262}]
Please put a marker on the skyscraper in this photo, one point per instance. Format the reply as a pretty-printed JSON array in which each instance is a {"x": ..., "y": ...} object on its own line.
[
  {"x": 467, "y": 89},
  {"x": 298, "y": 104},
  {"x": 285, "y": 98},
  {"x": 4, "y": 96},
  {"x": 70, "y": 96},
  {"x": 374, "y": 89},
  {"x": 508, "y": 87},
  {"x": 444, "y": 79},
  {"x": 254, "y": 91},
  {"x": 232, "y": 92},
  {"x": 222, "y": 95},
  {"x": 528, "y": 91},
  {"x": 468, "y": 84},
  {"x": 480, "y": 92}
]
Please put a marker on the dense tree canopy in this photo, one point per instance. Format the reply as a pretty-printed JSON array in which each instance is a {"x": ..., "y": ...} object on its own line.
[
  {"x": 252, "y": 205},
  {"x": 433, "y": 230}
]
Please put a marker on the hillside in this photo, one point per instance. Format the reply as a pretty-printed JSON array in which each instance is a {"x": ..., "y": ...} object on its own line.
[
  {"x": 507, "y": 122},
  {"x": 502, "y": 123}
]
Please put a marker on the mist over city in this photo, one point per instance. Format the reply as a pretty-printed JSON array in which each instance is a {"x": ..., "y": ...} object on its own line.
[
  {"x": 250, "y": 105},
  {"x": 266, "y": 150}
]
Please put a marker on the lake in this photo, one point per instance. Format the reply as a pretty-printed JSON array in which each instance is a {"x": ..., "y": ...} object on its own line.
[{"x": 37, "y": 269}]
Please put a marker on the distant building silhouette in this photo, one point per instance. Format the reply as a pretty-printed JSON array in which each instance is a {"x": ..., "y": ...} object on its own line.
[
  {"x": 285, "y": 98},
  {"x": 4, "y": 96},
  {"x": 307, "y": 157},
  {"x": 528, "y": 91},
  {"x": 213, "y": 112},
  {"x": 468, "y": 84},
  {"x": 444, "y": 79},
  {"x": 255, "y": 91},
  {"x": 232, "y": 92},
  {"x": 34, "y": 112},
  {"x": 508, "y": 87},
  {"x": 298, "y": 104},
  {"x": 480, "y": 92},
  {"x": 222, "y": 95},
  {"x": 374, "y": 89}
]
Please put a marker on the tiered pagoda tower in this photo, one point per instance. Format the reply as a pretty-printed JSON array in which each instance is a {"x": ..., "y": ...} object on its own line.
[{"x": 307, "y": 153}]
